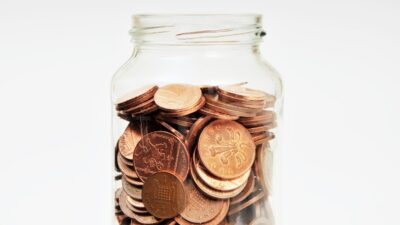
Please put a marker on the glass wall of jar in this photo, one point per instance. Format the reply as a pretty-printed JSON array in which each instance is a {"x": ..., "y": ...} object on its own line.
[{"x": 196, "y": 113}]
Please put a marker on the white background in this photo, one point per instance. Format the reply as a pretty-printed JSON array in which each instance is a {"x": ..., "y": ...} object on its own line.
[{"x": 339, "y": 61}]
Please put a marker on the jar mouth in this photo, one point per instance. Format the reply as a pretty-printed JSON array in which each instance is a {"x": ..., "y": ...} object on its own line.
[{"x": 176, "y": 29}]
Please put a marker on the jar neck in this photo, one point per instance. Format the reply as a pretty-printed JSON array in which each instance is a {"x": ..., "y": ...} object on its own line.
[{"x": 198, "y": 31}]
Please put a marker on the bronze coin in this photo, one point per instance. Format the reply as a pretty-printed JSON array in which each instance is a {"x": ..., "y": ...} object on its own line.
[
  {"x": 195, "y": 131},
  {"x": 185, "y": 112},
  {"x": 170, "y": 128},
  {"x": 214, "y": 99},
  {"x": 132, "y": 135},
  {"x": 140, "y": 107},
  {"x": 237, "y": 208},
  {"x": 216, "y": 183},
  {"x": 131, "y": 190},
  {"x": 209, "y": 112},
  {"x": 226, "y": 149},
  {"x": 175, "y": 97},
  {"x": 136, "y": 203},
  {"x": 125, "y": 168},
  {"x": 145, "y": 111},
  {"x": 228, "y": 111},
  {"x": 138, "y": 95},
  {"x": 214, "y": 193},
  {"x": 180, "y": 121},
  {"x": 161, "y": 151},
  {"x": 137, "y": 210},
  {"x": 200, "y": 208},
  {"x": 241, "y": 92},
  {"x": 124, "y": 206},
  {"x": 217, "y": 220},
  {"x": 134, "y": 181},
  {"x": 262, "y": 128},
  {"x": 248, "y": 189},
  {"x": 164, "y": 195},
  {"x": 265, "y": 115},
  {"x": 146, "y": 219}
]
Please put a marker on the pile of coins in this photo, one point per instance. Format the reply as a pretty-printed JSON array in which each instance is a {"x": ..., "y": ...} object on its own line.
[{"x": 195, "y": 155}]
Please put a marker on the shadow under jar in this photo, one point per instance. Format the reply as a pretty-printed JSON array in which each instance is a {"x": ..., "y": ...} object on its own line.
[{"x": 196, "y": 113}]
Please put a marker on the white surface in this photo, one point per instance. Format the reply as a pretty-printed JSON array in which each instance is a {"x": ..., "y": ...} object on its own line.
[{"x": 338, "y": 59}]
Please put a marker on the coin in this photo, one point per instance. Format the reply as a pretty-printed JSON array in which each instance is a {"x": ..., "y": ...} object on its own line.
[
  {"x": 261, "y": 221},
  {"x": 231, "y": 112},
  {"x": 126, "y": 169},
  {"x": 124, "y": 207},
  {"x": 195, "y": 130},
  {"x": 262, "y": 128},
  {"x": 137, "y": 210},
  {"x": 209, "y": 112},
  {"x": 134, "y": 181},
  {"x": 170, "y": 128},
  {"x": 263, "y": 137},
  {"x": 132, "y": 190},
  {"x": 145, "y": 111},
  {"x": 200, "y": 208},
  {"x": 146, "y": 219},
  {"x": 226, "y": 149},
  {"x": 237, "y": 208},
  {"x": 141, "y": 94},
  {"x": 177, "y": 97},
  {"x": 214, "y": 99},
  {"x": 248, "y": 189},
  {"x": 132, "y": 135},
  {"x": 185, "y": 112},
  {"x": 216, "y": 183},
  {"x": 164, "y": 195},
  {"x": 242, "y": 92},
  {"x": 161, "y": 151},
  {"x": 183, "y": 121},
  {"x": 218, "y": 219},
  {"x": 135, "y": 203},
  {"x": 214, "y": 193}
]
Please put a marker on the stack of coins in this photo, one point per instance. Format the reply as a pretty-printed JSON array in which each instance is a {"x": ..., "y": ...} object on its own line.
[{"x": 195, "y": 155}]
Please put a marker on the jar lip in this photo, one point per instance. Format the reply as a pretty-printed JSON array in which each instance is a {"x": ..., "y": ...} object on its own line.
[{"x": 196, "y": 28}]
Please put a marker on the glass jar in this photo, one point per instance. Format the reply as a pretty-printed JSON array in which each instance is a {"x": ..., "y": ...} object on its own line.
[{"x": 195, "y": 123}]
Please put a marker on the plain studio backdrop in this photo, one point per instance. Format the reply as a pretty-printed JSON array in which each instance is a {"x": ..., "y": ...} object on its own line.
[{"x": 339, "y": 61}]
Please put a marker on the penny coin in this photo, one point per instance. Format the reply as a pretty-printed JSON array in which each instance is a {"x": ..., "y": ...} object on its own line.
[
  {"x": 124, "y": 206},
  {"x": 126, "y": 169},
  {"x": 177, "y": 97},
  {"x": 164, "y": 195},
  {"x": 262, "y": 128},
  {"x": 137, "y": 210},
  {"x": 248, "y": 189},
  {"x": 226, "y": 149},
  {"x": 264, "y": 157},
  {"x": 134, "y": 181},
  {"x": 242, "y": 92},
  {"x": 135, "y": 203},
  {"x": 136, "y": 95},
  {"x": 214, "y": 99},
  {"x": 216, "y": 183},
  {"x": 217, "y": 220},
  {"x": 146, "y": 219},
  {"x": 132, "y": 190},
  {"x": 170, "y": 128},
  {"x": 209, "y": 112},
  {"x": 265, "y": 115},
  {"x": 132, "y": 135},
  {"x": 217, "y": 108},
  {"x": 161, "y": 151},
  {"x": 185, "y": 112},
  {"x": 180, "y": 121},
  {"x": 239, "y": 207},
  {"x": 195, "y": 130},
  {"x": 200, "y": 208},
  {"x": 145, "y": 111},
  {"x": 214, "y": 193}
]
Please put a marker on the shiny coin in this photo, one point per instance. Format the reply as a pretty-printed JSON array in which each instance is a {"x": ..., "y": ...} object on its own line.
[
  {"x": 185, "y": 112},
  {"x": 164, "y": 195},
  {"x": 195, "y": 131},
  {"x": 217, "y": 220},
  {"x": 135, "y": 96},
  {"x": 242, "y": 92},
  {"x": 131, "y": 190},
  {"x": 200, "y": 208},
  {"x": 226, "y": 149},
  {"x": 175, "y": 97},
  {"x": 170, "y": 128},
  {"x": 161, "y": 151},
  {"x": 212, "y": 192},
  {"x": 125, "y": 168},
  {"x": 145, "y": 219},
  {"x": 216, "y": 183},
  {"x": 262, "y": 128},
  {"x": 214, "y": 99},
  {"x": 145, "y": 111},
  {"x": 223, "y": 116}
]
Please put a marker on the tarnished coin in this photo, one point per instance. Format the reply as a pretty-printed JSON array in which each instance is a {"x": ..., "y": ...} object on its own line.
[
  {"x": 226, "y": 149},
  {"x": 200, "y": 208},
  {"x": 132, "y": 190},
  {"x": 135, "y": 96},
  {"x": 161, "y": 151},
  {"x": 216, "y": 183},
  {"x": 217, "y": 220},
  {"x": 164, "y": 195},
  {"x": 212, "y": 192},
  {"x": 132, "y": 135},
  {"x": 177, "y": 97}
]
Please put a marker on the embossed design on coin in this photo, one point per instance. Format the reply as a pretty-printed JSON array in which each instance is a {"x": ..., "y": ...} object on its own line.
[
  {"x": 161, "y": 151},
  {"x": 226, "y": 149},
  {"x": 200, "y": 208},
  {"x": 164, "y": 195}
]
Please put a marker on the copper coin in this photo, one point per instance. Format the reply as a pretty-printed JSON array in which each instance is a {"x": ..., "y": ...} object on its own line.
[
  {"x": 180, "y": 121},
  {"x": 132, "y": 135},
  {"x": 217, "y": 220},
  {"x": 135, "y": 203},
  {"x": 248, "y": 189},
  {"x": 242, "y": 92},
  {"x": 256, "y": 105},
  {"x": 134, "y": 181},
  {"x": 124, "y": 206},
  {"x": 140, "y": 107},
  {"x": 124, "y": 116},
  {"x": 209, "y": 112},
  {"x": 177, "y": 97},
  {"x": 132, "y": 190},
  {"x": 146, "y": 219},
  {"x": 185, "y": 112},
  {"x": 161, "y": 151},
  {"x": 200, "y": 208},
  {"x": 170, "y": 128},
  {"x": 216, "y": 183},
  {"x": 226, "y": 149},
  {"x": 261, "y": 221},
  {"x": 145, "y": 111},
  {"x": 237, "y": 208},
  {"x": 228, "y": 111},
  {"x": 211, "y": 192},
  {"x": 195, "y": 131},
  {"x": 164, "y": 195},
  {"x": 137, "y": 210},
  {"x": 125, "y": 168},
  {"x": 262, "y": 128},
  {"x": 265, "y": 115},
  {"x": 214, "y": 99},
  {"x": 264, "y": 175},
  {"x": 141, "y": 94}
]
